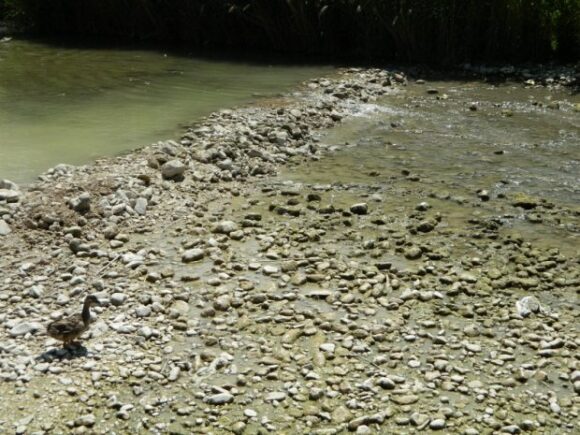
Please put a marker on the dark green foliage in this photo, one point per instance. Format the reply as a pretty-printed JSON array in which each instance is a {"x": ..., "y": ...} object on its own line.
[{"x": 437, "y": 31}]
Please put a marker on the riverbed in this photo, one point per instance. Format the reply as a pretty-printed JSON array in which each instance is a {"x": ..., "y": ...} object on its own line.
[{"x": 358, "y": 255}]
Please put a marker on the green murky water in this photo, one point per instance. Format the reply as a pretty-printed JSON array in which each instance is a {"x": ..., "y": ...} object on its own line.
[{"x": 71, "y": 105}]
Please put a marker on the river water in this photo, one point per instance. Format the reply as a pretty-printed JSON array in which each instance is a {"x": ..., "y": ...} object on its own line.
[
  {"x": 60, "y": 104},
  {"x": 447, "y": 147}
]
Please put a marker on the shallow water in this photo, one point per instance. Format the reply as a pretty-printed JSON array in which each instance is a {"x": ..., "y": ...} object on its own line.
[
  {"x": 470, "y": 136},
  {"x": 71, "y": 105},
  {"x": 509, "y": 140}
]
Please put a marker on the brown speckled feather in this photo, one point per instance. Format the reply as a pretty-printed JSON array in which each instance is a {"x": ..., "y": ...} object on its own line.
[
  {"x": 67, "y": 329},
  {"x": 71, "y": 327}
]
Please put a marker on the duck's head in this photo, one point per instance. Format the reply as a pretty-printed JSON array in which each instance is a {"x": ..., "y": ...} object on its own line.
[{"x": 92, "y": 300}]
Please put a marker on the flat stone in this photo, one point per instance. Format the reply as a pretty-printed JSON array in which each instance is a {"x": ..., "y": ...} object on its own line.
[
  {"x": 406, "y": 399},
  {"x": 9, "y": 195},
  {"x": 88, "y": 420},
  {"x": 225, "y": 227},
  {"x": 328, "y": 347},
  {"x": 277, "y": 396},
  {"x": 194, "y": 254},
  {"x": 219, "y": 399},
  {"x": 25, "y": 328},
  {"x": 270, "y": 269},
  {"x": 419, "y": 420}
]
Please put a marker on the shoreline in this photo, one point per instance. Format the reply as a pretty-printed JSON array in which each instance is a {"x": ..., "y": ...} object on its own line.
[{"x": 236, "y": 303}]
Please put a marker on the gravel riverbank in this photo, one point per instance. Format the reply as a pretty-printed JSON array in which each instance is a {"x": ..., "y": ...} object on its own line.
[{"x": 234, "y": 302}]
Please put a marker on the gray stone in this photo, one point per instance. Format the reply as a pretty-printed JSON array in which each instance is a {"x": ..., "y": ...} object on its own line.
[
  {"x": 82, "y": 203},
  {"x": 173, "y": 169},
  {"x": 118, "y": 299},
  {"x": 419, "y": 420},
  {"x": 25, "y": 328},
  {"x": 143, "y": 311},
  {"x": 8, "y": 185},
  {"x": 88, "y": 420},
  {"x": 437, "y": 424},
  {"x": 194, "y": 254},
  {"x": 386, "y": 383},
  {"x": 36, "y": 291},
  {"x": 270, "y": 269},
  {"x": 328, "y": 347},
  {"x": 225, "y": 227},
  {"x": 222, "y": 303},
  {"x": 406, "y": 399},
  {"x": 4, "y": 228},
  {"x": 277, "y": 396},
  {"x": 528, "y": 305},
  {"x": 141, "y": 206},
  {"x": 512, "y": 428},
  {"x": 9, "y": 195},
  {"x": 219, "y": 399},
  {"x": 413, "y": 253}
]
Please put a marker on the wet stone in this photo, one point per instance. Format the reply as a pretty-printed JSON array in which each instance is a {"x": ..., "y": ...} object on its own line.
[
  {"x": 219, "y": 399},
  {"x": 360, "y": 208},
  {"x": 413, "y": 253}
]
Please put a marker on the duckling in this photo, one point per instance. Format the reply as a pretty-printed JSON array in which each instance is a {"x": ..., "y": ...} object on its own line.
[{"x": 69, "y": 328}]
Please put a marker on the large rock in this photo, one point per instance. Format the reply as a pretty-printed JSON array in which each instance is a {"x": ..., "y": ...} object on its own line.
[{"x": 173, "y": 169}]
